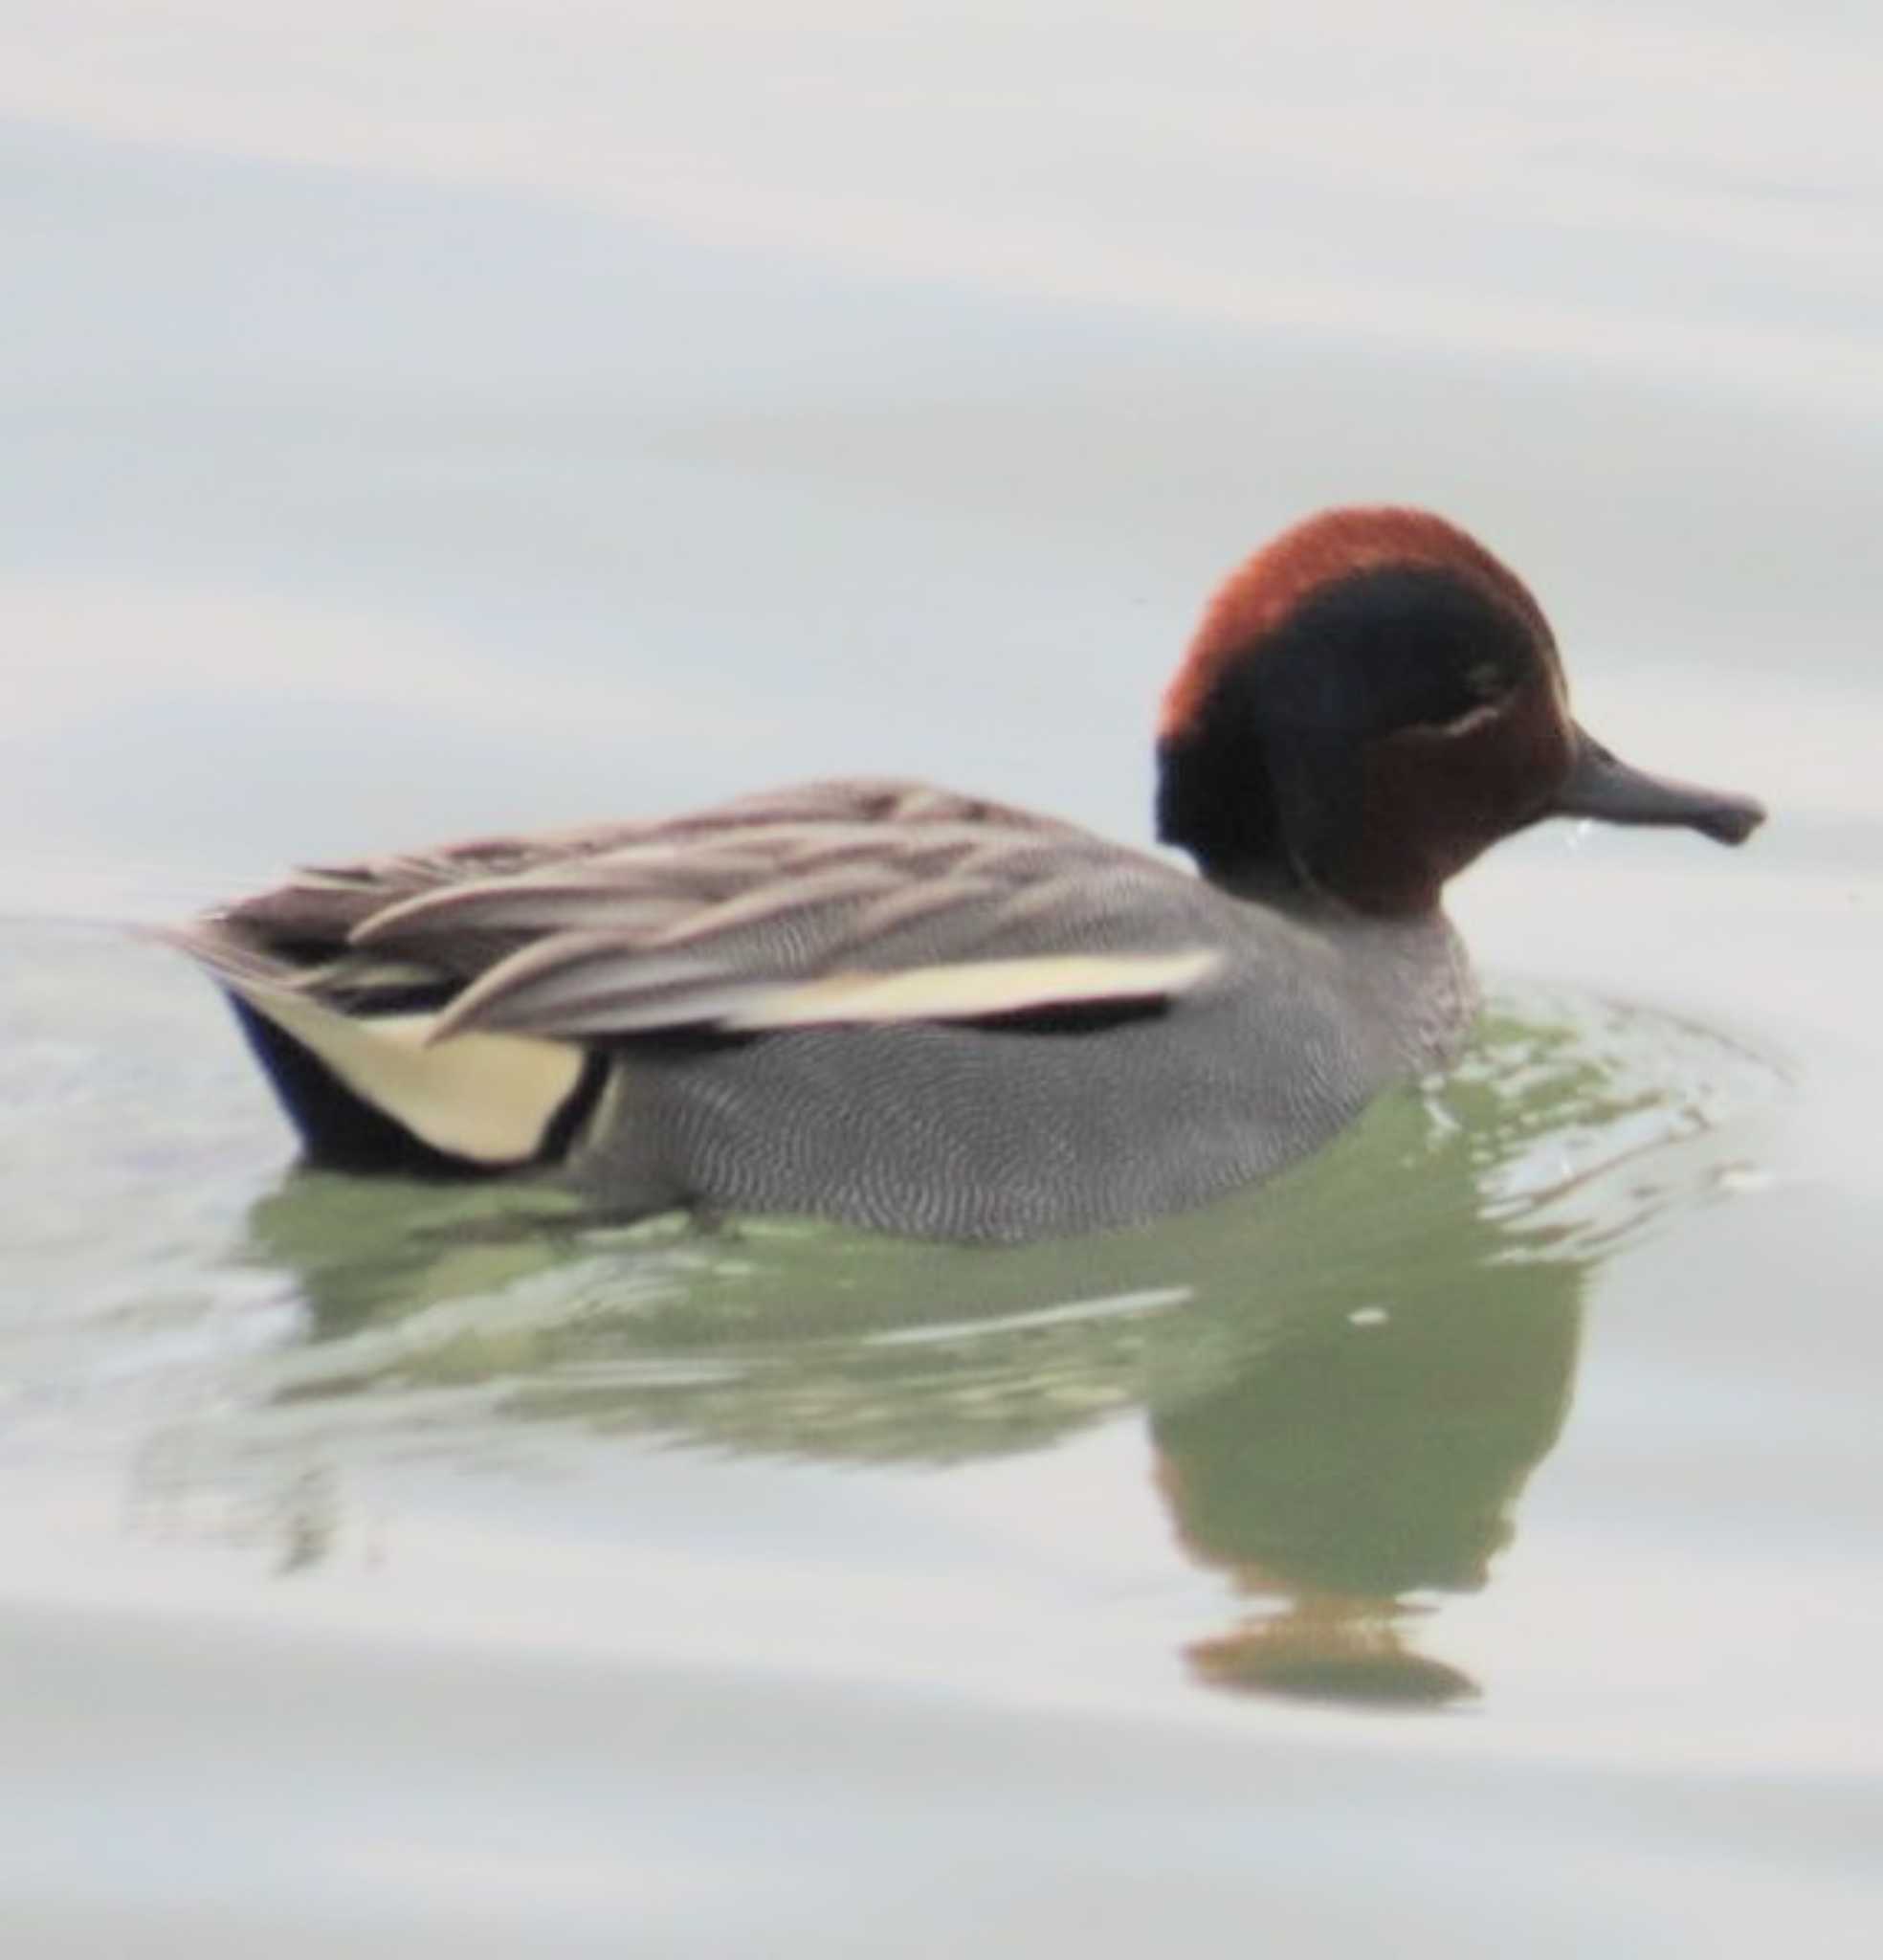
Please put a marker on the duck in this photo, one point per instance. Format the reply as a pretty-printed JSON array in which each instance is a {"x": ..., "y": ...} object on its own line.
[{"x": 931, "y": 1014}]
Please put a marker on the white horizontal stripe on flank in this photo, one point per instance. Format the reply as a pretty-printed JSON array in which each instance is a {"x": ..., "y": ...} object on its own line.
[{"x": 974, "y": 987}]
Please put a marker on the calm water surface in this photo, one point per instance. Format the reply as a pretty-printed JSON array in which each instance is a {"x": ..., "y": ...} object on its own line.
[{"x": 428, "y": 422}]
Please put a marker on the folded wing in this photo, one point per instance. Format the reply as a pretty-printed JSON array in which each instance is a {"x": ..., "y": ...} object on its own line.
[
  {"x": 463, "y": 994},
  {"x": 841, "y": 902}
]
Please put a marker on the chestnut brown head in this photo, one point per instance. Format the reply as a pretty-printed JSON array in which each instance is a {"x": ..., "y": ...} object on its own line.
[{"x": 1371, "y": 701}]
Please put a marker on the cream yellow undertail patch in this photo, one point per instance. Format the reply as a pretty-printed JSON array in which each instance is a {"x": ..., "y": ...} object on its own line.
[
  {"x": 973, "y": 989},
  {"x": 487, "y": 1098}
]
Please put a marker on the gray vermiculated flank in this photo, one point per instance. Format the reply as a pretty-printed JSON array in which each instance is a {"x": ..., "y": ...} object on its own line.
[{"x": 972, "y": 1134}]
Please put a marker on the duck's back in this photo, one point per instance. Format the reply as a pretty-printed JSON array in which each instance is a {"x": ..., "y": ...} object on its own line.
[{"x": 875, "y": 1001}]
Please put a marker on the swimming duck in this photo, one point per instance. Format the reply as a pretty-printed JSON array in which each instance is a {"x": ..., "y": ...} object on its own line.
[{"x": 941, "y": 1016}]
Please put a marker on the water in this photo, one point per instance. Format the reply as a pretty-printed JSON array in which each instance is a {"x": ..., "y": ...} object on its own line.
[{"x": 430, "y": 421}]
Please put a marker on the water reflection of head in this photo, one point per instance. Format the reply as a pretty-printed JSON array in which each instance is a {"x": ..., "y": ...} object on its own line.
[
  {"x": 1357, "y": 1462},
  {"x": 1368, "y": 1441}
]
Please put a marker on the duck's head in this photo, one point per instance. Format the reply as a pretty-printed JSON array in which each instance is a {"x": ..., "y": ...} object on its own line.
[{"x": 1371, "y": 701}]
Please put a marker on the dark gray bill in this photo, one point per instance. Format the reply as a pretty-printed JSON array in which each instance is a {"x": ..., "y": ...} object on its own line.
[{"x": 1602, "y": 786}]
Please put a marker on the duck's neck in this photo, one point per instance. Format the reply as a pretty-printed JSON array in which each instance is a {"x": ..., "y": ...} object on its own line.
[
  {"x": 1218, "y": 799},
  {"x": 1215, "y": 800},
  {"x": 1277, "y": 887}
]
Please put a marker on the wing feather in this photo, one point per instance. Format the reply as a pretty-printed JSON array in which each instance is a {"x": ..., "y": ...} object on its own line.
[{"x": 859, "y": 901}]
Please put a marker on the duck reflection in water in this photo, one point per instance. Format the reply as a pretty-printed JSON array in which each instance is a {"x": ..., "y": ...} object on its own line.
[
  {"x": 1347, "y": 1377},
  {"x": 1367, "y": 1455}
]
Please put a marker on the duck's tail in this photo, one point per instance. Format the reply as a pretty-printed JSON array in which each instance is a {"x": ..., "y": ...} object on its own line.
[{"x": 366, "y": 1091}]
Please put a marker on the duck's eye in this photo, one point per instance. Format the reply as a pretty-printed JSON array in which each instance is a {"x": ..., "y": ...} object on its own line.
[{"x": 1484, "y": 681}]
